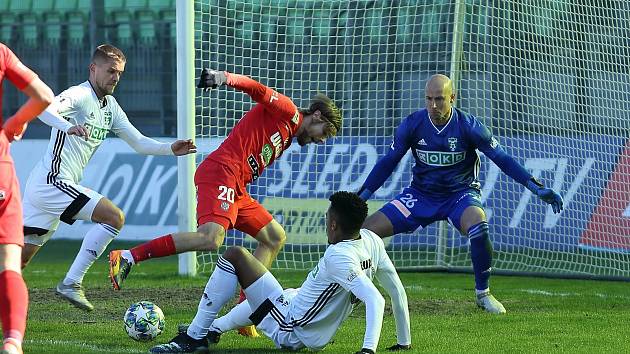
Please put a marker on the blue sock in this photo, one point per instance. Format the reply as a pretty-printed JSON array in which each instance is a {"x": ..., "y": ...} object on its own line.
[{"x": 480, "y": 254}]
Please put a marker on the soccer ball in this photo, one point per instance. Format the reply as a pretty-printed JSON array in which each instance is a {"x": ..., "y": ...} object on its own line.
[{"x": 144, "y": 321}]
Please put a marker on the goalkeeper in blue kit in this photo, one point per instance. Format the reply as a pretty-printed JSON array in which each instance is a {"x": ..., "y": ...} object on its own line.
[{"x": 445, "y": 185}]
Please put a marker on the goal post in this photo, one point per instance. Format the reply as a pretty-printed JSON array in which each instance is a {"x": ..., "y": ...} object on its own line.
[
  {"x": 549, "y": 78},
  {"x": 186, "y": 219}
]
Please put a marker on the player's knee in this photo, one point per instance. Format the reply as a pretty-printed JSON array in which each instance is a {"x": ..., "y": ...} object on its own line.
[
  {"x": 277, "y": 240},
  {"x": 115, "y": 218},
  {"x": 235, "y": 253},
  {"x": 211, "y": 240}
]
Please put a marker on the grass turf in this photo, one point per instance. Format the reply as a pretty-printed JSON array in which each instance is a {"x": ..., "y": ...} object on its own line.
[{"x": 544, "y": 315}]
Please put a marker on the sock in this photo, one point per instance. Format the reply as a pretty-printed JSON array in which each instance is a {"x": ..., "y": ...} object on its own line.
[
  {"x": 237, "y": 317},
  {"x": 13, "y": 306},
  {"x": 159, "y": 247},
  {"x": 126, "y": 254},
  {"x": 94, "y": 244},
  {"x": 480, "y": 254},
  {"x": 219, "y": 290}
]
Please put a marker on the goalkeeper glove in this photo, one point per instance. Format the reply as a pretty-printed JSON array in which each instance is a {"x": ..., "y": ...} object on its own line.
[
  {"x": 211, "y": 79},
  {"x": 397, "y": 347},
  {"x": 546, "y": 194},
  {"x": 365, "y": 351}
]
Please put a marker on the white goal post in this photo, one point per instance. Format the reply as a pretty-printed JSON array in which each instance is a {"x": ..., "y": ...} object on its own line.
[{"x": 551, "y": 79}]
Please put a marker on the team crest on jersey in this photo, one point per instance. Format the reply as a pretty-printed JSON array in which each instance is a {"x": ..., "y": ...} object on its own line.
[
  {"x": 452, "y": 143},
  {"x": 108, "y": 118}
]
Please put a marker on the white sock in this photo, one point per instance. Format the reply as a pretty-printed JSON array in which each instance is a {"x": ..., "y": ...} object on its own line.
[
  {"x": 219, "y": 290},
  {"x": 477, "y": 291},
  {"x": 94, "y": 243},
  {"x": 126, "y": 254},
  {"x": 237, "y": 317}
]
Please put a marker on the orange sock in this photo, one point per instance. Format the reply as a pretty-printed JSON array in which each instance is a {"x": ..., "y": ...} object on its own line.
[{"x": 13, "y": 305}]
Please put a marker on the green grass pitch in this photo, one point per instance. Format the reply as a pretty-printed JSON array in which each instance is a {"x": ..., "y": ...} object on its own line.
[{"x": 544, "y": 315}]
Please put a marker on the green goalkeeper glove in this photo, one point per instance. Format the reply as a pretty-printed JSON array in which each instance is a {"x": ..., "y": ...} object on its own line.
[
  {"x": 546, "y": 194},
  {"x": 211, "y": 79}
]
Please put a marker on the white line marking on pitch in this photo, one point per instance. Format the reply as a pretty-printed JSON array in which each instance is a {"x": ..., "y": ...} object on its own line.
[{"x": 82, "y": 345}]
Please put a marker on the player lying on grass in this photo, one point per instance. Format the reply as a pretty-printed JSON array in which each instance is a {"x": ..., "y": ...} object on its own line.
[
  {"x": 81, "y": 117},
  {"x": 310, "y": 316},
  {"x": 223, "y": 203},
  {"x": 445, "y": 184}
]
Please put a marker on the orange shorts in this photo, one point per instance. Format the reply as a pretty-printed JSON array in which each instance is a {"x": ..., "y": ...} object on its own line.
[
  {"x": 11, "y": 224},
  {"x": 222, "y": 199}
]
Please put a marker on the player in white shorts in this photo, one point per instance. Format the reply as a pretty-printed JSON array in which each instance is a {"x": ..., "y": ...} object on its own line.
[
  {"x": 81, "y": 117},
  {"x": 310, "y": 316}
]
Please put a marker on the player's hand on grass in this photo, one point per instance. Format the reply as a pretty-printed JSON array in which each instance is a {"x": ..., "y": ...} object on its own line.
[
  {"x": 79, "y": 130},
  {"x": 365, "y": 351},
  {"x": 211, "y": 79},
  {"x": 547, "y": 195},
  {"x": 183, "y": 147},
  {"x": 399, "y": 347}
]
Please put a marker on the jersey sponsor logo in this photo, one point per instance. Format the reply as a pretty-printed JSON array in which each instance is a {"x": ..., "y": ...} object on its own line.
[
  {"x": 266, "y": 154},
  {"x": 253, "y": 165},
  {"x": 282, "y": 301},
  {"x": 296, "y": 117},
  {"x": 440, "y": 158},
  {"x": 225, "y": 206},
  {"x": 422, "y": 142},
  {"x": 276, "y": 140},
  {"x": 97, "y": 133},
  {"x": 494, "y": 143},
  {"x": 352, "y": 275},
  {"x": 452, "y": 143},
  {"x": 315, "y": 271},
  {"x": 367, "y": 264}
]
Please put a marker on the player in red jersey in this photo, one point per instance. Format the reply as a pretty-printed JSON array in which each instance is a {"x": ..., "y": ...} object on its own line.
[
  {"x": 223, "y": 203},
  {"x": 13, "y": 293}
]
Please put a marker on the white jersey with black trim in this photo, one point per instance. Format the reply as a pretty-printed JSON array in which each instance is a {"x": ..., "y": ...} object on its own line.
[
  {"x": 324, "y": 300},
  {"x": 67, "y": 155}
]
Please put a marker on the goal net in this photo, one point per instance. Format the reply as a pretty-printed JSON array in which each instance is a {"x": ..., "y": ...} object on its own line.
[{"x": 549, "y": 78}]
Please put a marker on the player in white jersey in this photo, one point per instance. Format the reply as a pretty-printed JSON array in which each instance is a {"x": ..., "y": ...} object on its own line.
[
  {"x": 81, "y": 117},
  {"x": 310, "y": 317}
]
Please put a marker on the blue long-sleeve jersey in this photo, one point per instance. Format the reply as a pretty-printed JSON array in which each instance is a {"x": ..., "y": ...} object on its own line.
[{"x": 446, "y": 159}]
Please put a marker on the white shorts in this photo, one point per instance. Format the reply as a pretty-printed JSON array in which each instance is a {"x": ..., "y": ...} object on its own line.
[
  {"x": 270, "y": 305},
  {"x": 45, "y": 204}
]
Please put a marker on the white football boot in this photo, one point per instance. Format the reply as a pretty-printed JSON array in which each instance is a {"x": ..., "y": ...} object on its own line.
[{"x": 489, "y": 303}]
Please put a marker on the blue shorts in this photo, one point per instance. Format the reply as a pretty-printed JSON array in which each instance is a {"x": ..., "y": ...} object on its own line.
[{"x": 411, "y": 210}]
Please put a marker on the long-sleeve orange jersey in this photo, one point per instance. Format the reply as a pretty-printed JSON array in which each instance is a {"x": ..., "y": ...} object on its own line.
[{"x": 262, "y": 134}]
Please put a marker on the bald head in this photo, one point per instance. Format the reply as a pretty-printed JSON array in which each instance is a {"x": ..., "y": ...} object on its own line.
[
  {"x": 439, "y": 82},
  {"x": 439, "y": 98}
]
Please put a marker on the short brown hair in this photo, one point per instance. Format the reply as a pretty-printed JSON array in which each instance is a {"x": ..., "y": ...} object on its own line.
[
  {"x": 329, "y": 110},
  {"x": 108, "y": 52}
]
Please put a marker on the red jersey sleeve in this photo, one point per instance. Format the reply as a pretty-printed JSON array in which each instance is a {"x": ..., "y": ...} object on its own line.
[
  {"x": 13, "y": 68},
  {"x": 276, "y": 103}
]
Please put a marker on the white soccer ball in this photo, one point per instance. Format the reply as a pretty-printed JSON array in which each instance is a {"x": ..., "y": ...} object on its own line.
[{"x": 144, "y": 321}]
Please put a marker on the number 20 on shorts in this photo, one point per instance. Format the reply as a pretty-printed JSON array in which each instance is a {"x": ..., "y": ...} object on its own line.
[{"x": 226, "y": 194}]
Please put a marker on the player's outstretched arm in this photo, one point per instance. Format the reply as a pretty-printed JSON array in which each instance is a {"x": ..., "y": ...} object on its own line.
[
  {"x": 389, "y": 279},
  {"x": 364, "y": 290},
  {"x": 148, "y": 146},
  {"x": 547, "y": 195},
  {"x": 40, "y": 96},
  {"x": 51, "y": 117}
]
